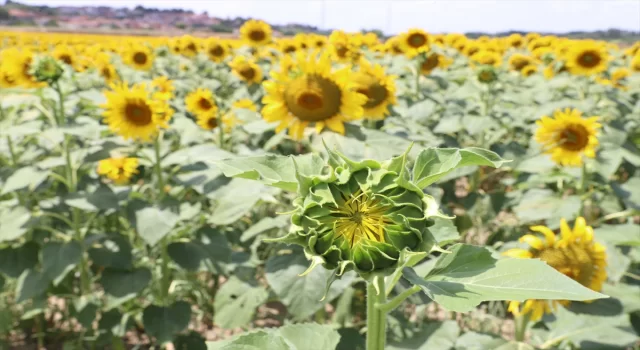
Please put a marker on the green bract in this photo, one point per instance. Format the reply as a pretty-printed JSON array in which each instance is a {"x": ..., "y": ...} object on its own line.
[
  {"x": 47, "y": 69},
  {"x": 361, "y": 216}
]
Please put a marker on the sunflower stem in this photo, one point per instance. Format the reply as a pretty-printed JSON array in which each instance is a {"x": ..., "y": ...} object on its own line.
[
  {"x": 521, "y": 326},
  {"x": 376, "y": 317},
  {"x": 158, "y": 167},
  {"x": 397, "y": 300},
  {"x": 220, "y": 130},
  {"x": 418, "y": 79}
]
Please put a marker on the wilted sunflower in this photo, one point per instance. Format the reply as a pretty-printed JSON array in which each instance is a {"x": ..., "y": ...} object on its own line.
[
  {"x": 517, "y": 61},
  {"x": 574, "y": 253},
  {"x": 164, "y": 86},
  {"x": 587, "y": 58},
  {"x": 216, "y": 49},
  {"x": 255, "y": 33},
  {"x": 312, "y": 94},
  {"x": 414, "y": 42},
  {"x": 567, "y": 136},
  {"x": 246, "y": 69},
  {"x": 529, "y": 70},
  {"x": 135, "y": 113},
  {"x": 118, "y": 169},
  {"x": 139, "y": 57},
  {"x": 488, "y": 58},
  {"x": 201, "y": 103},
  {"x": 433, "y": 61},
  {"x": 380, "y": 89}
]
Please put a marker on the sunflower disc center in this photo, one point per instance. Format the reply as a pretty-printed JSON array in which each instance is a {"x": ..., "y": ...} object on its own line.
[
  {"x": 138, "y": 113},
  {"x": 216, "y": 51},
  {"x": 589, "y": 59},
  {"x": 574, "y": 138},
  {"x": 140, "y": 58},
  {"x": 248, "y": 73},
  {"x": 204, "y": 104},
  {"x": 310, "y": 100},
  {"x": 417, "y": 40},
  {"x": 313, "y": 98},
  {"x": 257, "y": 35}
]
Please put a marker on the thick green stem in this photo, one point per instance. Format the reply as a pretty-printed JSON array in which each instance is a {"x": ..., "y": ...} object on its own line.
[
  {"x": 418, "y": 78},
  {"x": 582, "y": 188},
  {"x": 398, "y": 299},
  {"x": 521, "y": 327},
  {"x": 221, "y": 131},
  {"x": 165, "y": 281},
  {"x": 376, "y": 317},
  {"x": 158, "y": 167}
]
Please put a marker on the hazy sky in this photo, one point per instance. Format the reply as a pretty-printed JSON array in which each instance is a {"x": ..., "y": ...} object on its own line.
[{"x": 399, "y": 15}]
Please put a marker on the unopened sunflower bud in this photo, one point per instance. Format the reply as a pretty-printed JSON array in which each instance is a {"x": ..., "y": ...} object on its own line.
[
  {"x": 47, "y": 69},
  {"x": 487, "y": 75}
]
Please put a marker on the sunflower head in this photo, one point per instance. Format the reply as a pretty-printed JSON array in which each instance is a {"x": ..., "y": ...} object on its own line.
[
  {"x": 518, "y": 61},
  {"x": 139, "y": 57},
  {"x": 515, "y": 40},
  {"x": 246, "y": 69},
  {"x": 635, "y": 63},
  {"x": 433, "y": 61},
  {"x": 414, "y": 42},
  {"x": 361, "y": 216},
  {"x": 216, "y": 49},
  {"x": 587, "y": 58},
  {"x": 163, "y": 86},
  {"x": 190, "y": 46},
  {"x": 312, "y": 93},
  {"x": 118, "y": 169},
  {"x": 487, "y": 75},
  {"x": 574, "y": 253},
  {"x": 202, "y": 104},
  {"x": 568, "y": 136},
  {"x": 135, "y": 112},
  {"x": 255, "y": 33},
  {"x": 529, "y": 70},
  {"x": 48, "y": 70},
  {"x": 379, "y": 88},
  {"x": 485, "y": 57}
]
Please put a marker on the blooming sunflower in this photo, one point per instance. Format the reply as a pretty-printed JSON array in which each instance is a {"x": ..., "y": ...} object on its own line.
[
  {"x": 343, "y": 47},
  {"x": 201, "y": 103},
  {"x": 574, "y": 254},
  {"x": 617, "y": 79},
  {"x": 7, "y": 79},
  {"x": 139, "y": 57},
  {"x": 515, "y": 40},
  {"x": 393, "y": 46},
  {"x": 255, "y": 33},
  {"x": 287, "y": 45},
  {"x": 414, "y": 42},
  {"x": 635, "y": 63},
  {"x": 488, "y": 58},
  {"x": 380, "y": 89},
  {"x": 246, "y": 69},
  {"x": 529, "y": 70},
  {"x": 567, "y": 136},
  {"x": 318, "y": 41},
  {"x": 135, "y": 113},
  {"x": 518, "y": 61},
  {"x": 17, "y": 68},
  {"x": 314, "y": 94},
  {"x": 189, "y": 46},
  {"x": 230, "y": 119},
  {"x": 107, "y": 71},
  {"x": 64, "y": 54},
  {"x": 164, "y": 86},
  {"x": 587, "y": 58},
  {"x": 118, "y": 169},
  {"x": 433, "y": 61},
  {"x": 216, "y": 49}
]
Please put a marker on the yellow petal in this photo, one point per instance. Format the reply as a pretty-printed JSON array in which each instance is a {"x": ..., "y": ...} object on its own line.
[
  {"x": 565, "y": 230},
  {"x": 518, "y": 253},
  {"x": 548, "y": 234},
  {"x": 533, "y": 241}
]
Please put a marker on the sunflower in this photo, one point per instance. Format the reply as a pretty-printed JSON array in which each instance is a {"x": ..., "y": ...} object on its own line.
[
  {"x": 118, "y": 169},
  {"x": 380, "y": 89},
  {"x": 139, "y": 57},
  {"x": 135, "y": 113},
  {"x": 301, "y": 40},
  {"x": 518, "y": 61},
  {"x": 529, "y": 70},
  {"x": 414, "y": 42},
  {"x": 64, "y": 54},
  {"x": 287, "y": 45},
  {"x": 107, "y": 71},
  {"x": 550, "y": 71},
  {"x": 17, "y": 67},
  {"x": 393, "y": 46},
  {"x": 246, "y": 69},
  {"x": 343, "y": 48},
  {"x": 433, "y": 61},
  {"x": 617, "y": 79},
  {"x": 488, "y": 58},
  {"x": 635, "y": 63},
  {"x": 164, "y": 86},
  {"x": 7, "y": 79},
  {"x": 574, "y": 254},
  {"x": 470, "y": 48},
  {"x": 567, "y": 136},
  {"x": 255, "y": 33},
  {"x": 515, "y": 40},
  {"x": 314, "y": 94},
  {"x": 189, "y": 46},
  {"x": 587, "y": 58},
  {"x": 230, "y": 119},
  {"x": 201, "y": 103},
  {"x": 318, "y": 41}
]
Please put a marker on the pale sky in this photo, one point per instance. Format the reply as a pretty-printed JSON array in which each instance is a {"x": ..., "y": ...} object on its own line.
[{"x": 398, "y": 15}]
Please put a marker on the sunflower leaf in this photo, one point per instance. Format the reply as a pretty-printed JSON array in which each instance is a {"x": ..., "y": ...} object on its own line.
[
  {"x": 434, "y": 163},
  {"x": 470, "y": 275}
]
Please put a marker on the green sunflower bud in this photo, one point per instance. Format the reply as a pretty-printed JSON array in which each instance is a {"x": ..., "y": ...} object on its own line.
[
  {"x": 487, "y": 75},
  {"x": 47, "y": 69},
  {"x": 362, "y": 216}
]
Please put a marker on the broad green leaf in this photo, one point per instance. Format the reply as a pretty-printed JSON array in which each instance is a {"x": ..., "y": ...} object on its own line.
[
  {"x": 120, "y": 284},
  {"x": 60, "y": 258},
  {"x": 436, "y": 335},
  {"x": 444, "y": 231},
  {"x": 14, "y": 261},
  {"x": 85, "y": 311},
  {"x": 265, "y": 224},
  {"x": 628, "y": 234},
  {"x": 112, "y": 251},
  {"x": 236, "y": 303},
  {"x": 434, "y": 163},
  {"x": 191, "y": 341},
  {"x": 542, "y": 204},
  {"x": 236, "y": 200},
  {"x": 153, "y": 224},
  {"x": 470, "y": 275},
  {"x": 206, "y": 251},
  {"x": 27, "y": 177},
  {"x": 629, "y": 192},
  {"x": 259, "y": 340},
  {"x": 310, "y": 336},
  {"x": 272, "y": 170},
  {"x": 626, "y": 294},
  {"x": 2, "y": 282},
  {"x": 102, "y": 198},
  {"x": 302, "y": 295},
  {"x": 13, "y": 223},
  {"x": 31, "y": 284},
  {"x": 199, "y": 153},
  {"x": 478, "y": 341},
  {"x": 164, "y": 322},
  {"x": 583, "y": 329}
]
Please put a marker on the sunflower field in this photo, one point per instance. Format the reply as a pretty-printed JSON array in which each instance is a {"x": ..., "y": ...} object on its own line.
[{"x": 351, "y": 192}]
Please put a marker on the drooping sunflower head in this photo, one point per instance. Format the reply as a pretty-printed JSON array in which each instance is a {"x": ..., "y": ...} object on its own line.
[
  {"x": 378, "y": 87},
  {"x": 433, "y": 61},
  {"x": 529, "y": 70},
  {"x": 246, "y": 69},
  {"x": 517, "y": 61},
  {"x": 587, "y": 58},
  {"x": 139, "y": 57},
  {"x": 312, "y": 93},
  {"x": 135, "y": 113},
  {"x": 118, "y": 169},
  {"x": 362, "y": 216},
  {"x": 256, "y": 33},
  {"x": 201, "y": 103},
  {"x": 414, "y": 42},
  {"x": 568, "y": 136},
  {"x": 217, "y": 50},
  {"x": 574, "y": 253}
]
